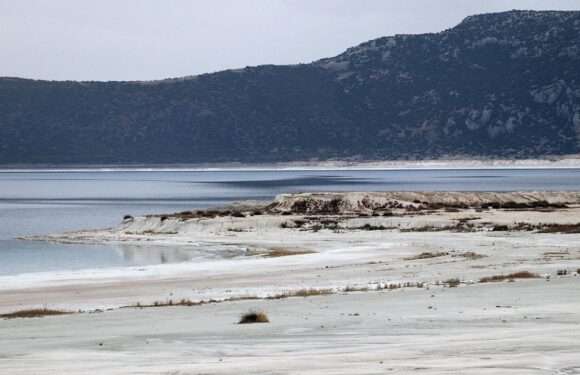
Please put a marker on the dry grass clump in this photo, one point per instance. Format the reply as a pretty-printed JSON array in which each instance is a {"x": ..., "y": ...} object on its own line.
[
  {"x": 427, "y": 255},
  {"x": 188, "y": 302},
  {"x": 515, "y": 275},
  {"x": 282, "y": 252},
  {"x": 561, "y": 228},
  {"x": 254, "y": 317},
  {"x": 34, "y": 313},
  {"x": 169, "y": 302},
  {"x": 452, "y": 283},
  {"x": 459, "y": 228},
  {"x": 472, "y": 255},
  {"x": 352, "y": 288},
  {"x": 244, "y": 297},
  {"x": 556, "y": 254},
  {"x": 408, "y": 284},
  {"x": 305, "y": 292},
  {"x": 374, "y": 227}
]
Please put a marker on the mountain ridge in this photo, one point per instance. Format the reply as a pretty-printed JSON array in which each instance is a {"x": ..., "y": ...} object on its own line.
[{"x": 501, "y": 85}]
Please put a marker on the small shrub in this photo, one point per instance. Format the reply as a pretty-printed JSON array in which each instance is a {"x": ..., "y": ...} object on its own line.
[
  {"x": 127, "y": 217},
  {"x": 452, "y": 283},
  {"x": 34, "y": 313},
  {"x": 373, "y": 227},
  {"x": 163, "y": 218},
  {"x": 516, "y": 275},
  {"x": 351, "y": 288},
  {"x": 458, "y": 228},
  {"x": 254, "y": 317}
]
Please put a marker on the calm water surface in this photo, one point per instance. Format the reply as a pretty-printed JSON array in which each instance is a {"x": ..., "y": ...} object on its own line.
[{"x": 44, "y": 202}]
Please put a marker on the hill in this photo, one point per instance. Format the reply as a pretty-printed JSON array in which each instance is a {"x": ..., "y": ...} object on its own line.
[{"x": 496, "y": 85}]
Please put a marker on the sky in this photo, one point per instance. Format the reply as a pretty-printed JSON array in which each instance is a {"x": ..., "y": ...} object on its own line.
[{"x": 154, "y": 39}]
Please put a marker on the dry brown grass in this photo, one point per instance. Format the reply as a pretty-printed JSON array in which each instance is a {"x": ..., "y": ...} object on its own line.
[
  {"x": 472, "y": 255},
  {"x": 306, "y": 292},
  {"x": 254, "y": 317},
  {"x": 511, "y": 276},
  {"x": 561, "y": 228},
  {"x": 34, "y": 313},
  {"x": 427, "y": 255},
  {"x": 452, "y": 283},
  {"x": 408, "y": 284},
  {"x": 352, "y": 288},
  {"x": 245, "y": 297},
  {"x": 283, "y": 252},
  {"x": 459, "y": 228},
  {"x": 188, "y": 302}
]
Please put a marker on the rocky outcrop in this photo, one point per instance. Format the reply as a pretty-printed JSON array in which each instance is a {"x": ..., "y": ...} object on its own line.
[{"x": 368, "y": 202}]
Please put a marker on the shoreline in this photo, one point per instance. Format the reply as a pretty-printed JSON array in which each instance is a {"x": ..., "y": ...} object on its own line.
[
  {"x": 458, "y": 287},
  {"x": 333, "y": 228},
  {"x": 571, "y": 162}
]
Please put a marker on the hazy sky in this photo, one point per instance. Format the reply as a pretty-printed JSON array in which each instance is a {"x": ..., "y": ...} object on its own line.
[{"x": 152, "y": 39}]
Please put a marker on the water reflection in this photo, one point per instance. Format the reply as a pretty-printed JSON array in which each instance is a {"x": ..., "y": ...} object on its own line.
[{"x": 147, "y": 254}]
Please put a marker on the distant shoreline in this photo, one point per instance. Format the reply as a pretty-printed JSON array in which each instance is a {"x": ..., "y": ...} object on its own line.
[{"x": 561, "y": 163}]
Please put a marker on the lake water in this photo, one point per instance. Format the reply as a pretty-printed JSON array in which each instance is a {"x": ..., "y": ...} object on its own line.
[{"x": 44, "y": 202}]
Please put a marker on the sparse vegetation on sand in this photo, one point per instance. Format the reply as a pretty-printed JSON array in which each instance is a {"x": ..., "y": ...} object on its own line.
[
  {"x": 353, "y": 288},
  {"x": 305, "y": 292},
  {"x": 459, "y": 228},
  {"x": 511, "y": 276},
  {"x": 408, "y": 284},
  {"x": 34, "y": 313},
  {"x": 561, "y": 228},
  {"x": 452, "y": 283},
  {"x": 282, "y": 252},
  {"x": 254, "y": 317},
  {"x": 427, "y": 255},
  {"x": 470, "y": 255},
  {"x": 188, "y": 302}
]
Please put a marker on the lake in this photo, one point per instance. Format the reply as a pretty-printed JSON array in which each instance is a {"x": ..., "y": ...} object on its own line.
[{"x": 44, "y": 202}]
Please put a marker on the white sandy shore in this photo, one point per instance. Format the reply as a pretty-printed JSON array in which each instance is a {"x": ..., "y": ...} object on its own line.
[
  {"x": 522, "y": 327},
  {"x": 566, "y": 161}
]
